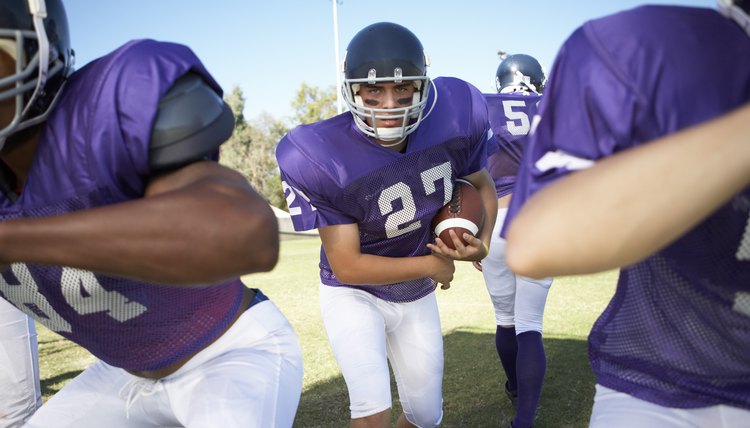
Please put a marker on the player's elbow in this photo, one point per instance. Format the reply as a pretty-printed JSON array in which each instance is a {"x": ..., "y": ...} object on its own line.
[
  {"x": 261, "y": 241},
  {"x": 523, "y": 257},
  {"x": 344, "y": 274}
]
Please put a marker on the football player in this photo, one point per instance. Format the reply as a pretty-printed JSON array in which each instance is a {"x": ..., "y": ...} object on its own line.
[
  {"x": 518, "y": 301},
  {"x": 20, "y": 392},
  {"x": 121, "y": 233},
  {"x": 671, "y": 348},
  {"x": 371, "y": 180}
]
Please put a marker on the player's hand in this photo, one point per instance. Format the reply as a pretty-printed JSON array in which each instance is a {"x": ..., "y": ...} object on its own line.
[
  {"x": 475, "y": 251},
  {"x": 443, "y": 271},
  {"x": 477, "y": 265}
]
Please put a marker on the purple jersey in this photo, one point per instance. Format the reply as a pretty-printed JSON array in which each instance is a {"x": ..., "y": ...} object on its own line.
[
  {"x": 333, "y": 174},
  {"x": 92, "y": 152},
  {"x": 677, "y": 331},
  {"x": 510, "y": 118}
]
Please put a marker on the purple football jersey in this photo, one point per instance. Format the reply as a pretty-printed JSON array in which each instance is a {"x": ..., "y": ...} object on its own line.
[
  {"x": 510, "y": 118},
  {"x": 92, "y": 152},
  {"x": 334, "y": 174},
  {"x": 677, "y": 331}
]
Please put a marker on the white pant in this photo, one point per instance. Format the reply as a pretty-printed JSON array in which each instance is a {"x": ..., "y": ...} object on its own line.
[
  {"x": 250, "y": 377},
  {"x": 613, "y": 409},
  {"x": 364, "y": 329},
  {"x": 517, "y": 300},
  {"x": 20, "y": 394}
]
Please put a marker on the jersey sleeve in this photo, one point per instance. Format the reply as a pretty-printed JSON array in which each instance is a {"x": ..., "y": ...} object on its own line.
[
  {"x": 480, "y": 132},
  {"x": 309, "y": 191},
  {"x": 587, "y": 113}
]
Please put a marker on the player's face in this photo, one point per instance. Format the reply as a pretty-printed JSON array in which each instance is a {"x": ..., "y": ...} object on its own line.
[
  {"x": 7, "y": 106},
  {"x": 387, "y": 96}
]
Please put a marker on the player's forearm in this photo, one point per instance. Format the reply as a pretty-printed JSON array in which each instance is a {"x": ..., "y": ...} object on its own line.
[
  {"x": 367, "y": 269},
  {"x": 195, "y": 235},
  {"x": 486, "y": 188},
  {"x": 630, "y": 205}
]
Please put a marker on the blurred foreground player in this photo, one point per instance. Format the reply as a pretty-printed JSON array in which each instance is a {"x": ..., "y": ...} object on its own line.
[
  {"x": 122, "y": 234},
  {"x": 672, "y": 347}
]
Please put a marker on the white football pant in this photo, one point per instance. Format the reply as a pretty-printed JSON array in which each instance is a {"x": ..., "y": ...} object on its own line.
[
  {"x": 251, "y": 376},
  {"x": 613, "y": 409},
  {"x": 20, "y": 394},
  {"x": 363, "y": 329},
  {"x": 517, "y": 300}
]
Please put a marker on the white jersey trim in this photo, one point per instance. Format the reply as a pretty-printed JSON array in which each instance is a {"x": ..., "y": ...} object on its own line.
[{"x": 560, "y": 159}]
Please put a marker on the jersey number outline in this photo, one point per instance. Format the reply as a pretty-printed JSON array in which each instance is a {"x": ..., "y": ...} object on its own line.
[
  {"x": 81, "y": 290},
  {"x": 742, "y": 299},
  {"x": 402, "y": 221},
  {"x": 514, "y": 115}
]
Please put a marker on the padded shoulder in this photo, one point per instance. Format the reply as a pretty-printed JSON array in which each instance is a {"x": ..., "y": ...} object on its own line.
[{"x": 191, "y": 124}]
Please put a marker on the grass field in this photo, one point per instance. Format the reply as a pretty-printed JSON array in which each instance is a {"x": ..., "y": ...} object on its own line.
[{"x": 472, "y": 386}]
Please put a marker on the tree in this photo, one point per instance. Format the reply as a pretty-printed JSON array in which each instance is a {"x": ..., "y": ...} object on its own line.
[
  {"x": 313, "y": 104},
  {"x": 251, "y": 149}
]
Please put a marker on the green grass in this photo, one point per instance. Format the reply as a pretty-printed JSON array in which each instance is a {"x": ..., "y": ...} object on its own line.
[{"x": 473, "y": 381}]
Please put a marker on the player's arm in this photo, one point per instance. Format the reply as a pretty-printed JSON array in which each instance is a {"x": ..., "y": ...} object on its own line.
[
  {"x": 630, "y": 205},
  {"x": 196, "y": 224},
  {"x": 342, "y": 246}
]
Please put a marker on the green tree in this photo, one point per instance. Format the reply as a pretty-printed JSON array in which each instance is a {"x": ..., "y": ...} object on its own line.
[
  {"x": 313, "y": 104},
  {"x": 251, "y": 149}
]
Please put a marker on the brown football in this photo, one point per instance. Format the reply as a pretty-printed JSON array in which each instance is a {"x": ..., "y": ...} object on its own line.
[{"x": 464, "y": 213}]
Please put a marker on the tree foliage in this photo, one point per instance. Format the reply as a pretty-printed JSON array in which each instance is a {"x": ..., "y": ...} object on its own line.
[
  {"x": 313, "y": 104},
  {"x": 251, "y": 149}
]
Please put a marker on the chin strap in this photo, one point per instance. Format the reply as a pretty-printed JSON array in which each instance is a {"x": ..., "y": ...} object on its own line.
[
  {"x": 735, "y": 13},
  {"x": 38, "y": 10},
  {"x": 393, "y": 144}
]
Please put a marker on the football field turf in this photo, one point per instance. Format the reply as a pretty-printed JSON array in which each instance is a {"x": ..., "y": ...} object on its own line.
[{"x": 473, "y": 381}]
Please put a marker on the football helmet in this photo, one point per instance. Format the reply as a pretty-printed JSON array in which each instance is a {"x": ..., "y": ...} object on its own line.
[
  {"x": 737, "y": 10},
  {"x": 35, "y": 34},
  {"x": 520, "y": 73},
  {"x": 385, "y": 52}
]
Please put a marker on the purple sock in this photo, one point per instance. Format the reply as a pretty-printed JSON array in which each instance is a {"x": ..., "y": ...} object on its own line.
[
  {"x": 531, "y": 366},
  {"x": 507, "y": 350}
]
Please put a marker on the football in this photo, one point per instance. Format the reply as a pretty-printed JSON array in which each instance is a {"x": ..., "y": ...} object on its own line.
[{"x": 464, "y": 213}]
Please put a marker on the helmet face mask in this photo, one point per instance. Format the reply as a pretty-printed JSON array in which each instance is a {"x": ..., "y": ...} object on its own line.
[
  {"x": 738, "y": 11},
  {"x": 519, "y": 73},
  {"x": 34, "y": 34},
  {"x": 385, "y": 53}
]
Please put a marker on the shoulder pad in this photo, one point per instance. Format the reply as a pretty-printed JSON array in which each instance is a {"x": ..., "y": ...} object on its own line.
[{"x": 191, "y": 124}]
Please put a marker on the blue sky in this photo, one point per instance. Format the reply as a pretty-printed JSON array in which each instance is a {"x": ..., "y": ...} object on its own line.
[{"x": 269, "y": 48}]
